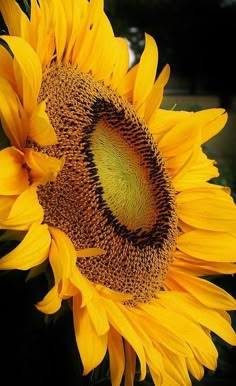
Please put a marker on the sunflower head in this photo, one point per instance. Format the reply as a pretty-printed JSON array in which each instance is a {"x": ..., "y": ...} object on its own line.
[
  {"x": 115, "y": 173},
  {"x": 121, "y": 207}
]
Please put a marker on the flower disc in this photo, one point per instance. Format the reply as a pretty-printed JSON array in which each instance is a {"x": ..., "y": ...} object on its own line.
[{"x": 113, "y": 192}]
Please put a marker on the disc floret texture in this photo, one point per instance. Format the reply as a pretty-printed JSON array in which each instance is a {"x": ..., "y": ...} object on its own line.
[{"x": 121, "y": 207}]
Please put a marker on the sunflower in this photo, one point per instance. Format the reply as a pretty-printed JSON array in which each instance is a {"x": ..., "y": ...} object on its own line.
[{"x": 112, "y": 193}]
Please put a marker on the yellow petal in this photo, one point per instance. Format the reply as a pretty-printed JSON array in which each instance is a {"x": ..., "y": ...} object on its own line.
[
  {"x": 225, "y": 315},
  {"x": 204, "y": 291},
  {"x": 13, "y": 176},
  {"x": 158, "y": 382},
  {"x": 126, "y": 86},
  {"x": 60, "y": 28},
  {"x": 197, "y": 267},
  {"x": 146, "y": 73},
  {"x": 195, "y": 368},
  {"x": 208, "y": 245},
  {"x": 182, "y": 137},
  {"x": 116, "y": 356},
  {"x": 130, "y": 364},
  {"x": 22, "y": 215},
  {"x": 77, "y": 39},
  {"x": 197, "y": 170},
  {"x": 33, "y": 250},
  {"x": 155, "y": 98},
  {"x": 212, "y": 210},
  {"x": 55, "y": 261},
  {"x": 83, "y": 286},
  {"x": 177, "y": 163},
  {"x": 12, "y": 115},
  {"x": 121, "y": 324},
  {"x": 62, "y": 268},
  {"x": 51, "y": 303},
  {"x": 162, "y": 121},
  {"x": 35, "y": 21},
  {"x": 6, "y": 66},
  {"x": 90, "y": 252},
  {"x": 215, "y": 126},
  {"x": 6, "y": 203},
  {"x": 41, "y": 130},
  {"x": 40, "y": 33},
  {"x": 28, "y": 71},
  {"x": 112, "y": 295},
  {"x": 90, "y": 24},
  {"x": 92, "y": 347},
  {"x": 13, "y": 16},
  {"x": 42, "y": 167},
  {"x": 62, "y": 258},
  {"x": 175, "y": 367},
  {"x": 121, "y": 61},
  {"x": 208, "y": 361},
  {"x": 72, "y": 15},
  {"x": 191, "y": 308},
  {"x": 165, "y": 336},
  {"x": 100, "y": 59},
  {"x": 98, "y": 316},
  {"x": 64, "y": 253},
  {"x": 152, "y": 355},
  {"x": 181, "y": 326},
  {"x": 155, "y": 363}
]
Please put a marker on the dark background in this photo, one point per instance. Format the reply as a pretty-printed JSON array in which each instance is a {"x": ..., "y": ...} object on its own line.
[{"x": 197, "y": 39}]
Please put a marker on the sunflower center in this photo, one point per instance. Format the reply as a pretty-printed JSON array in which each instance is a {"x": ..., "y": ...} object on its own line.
[{"x": 114, "y": 191}]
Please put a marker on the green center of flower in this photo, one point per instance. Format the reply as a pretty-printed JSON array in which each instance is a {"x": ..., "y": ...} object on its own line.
[
  {"x": 114, "y": 191},
  {"x": 126, "y": 187}
]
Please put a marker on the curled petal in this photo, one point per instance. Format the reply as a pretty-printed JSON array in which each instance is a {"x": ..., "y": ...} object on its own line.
[
  {"x": 41, "y": 130},
  {"x": 51, "y": 303},
  {"x": 42, "y": 167},
  {"x": 146, "y": 73},
  {"x": 62, "y": 257},
  {"x": 24, "y": 211},
  {"x": 214, "y": 126},
  {"x": 126, "y": 86},
  {"x": 32, "y": 251},
  {"x": 155, "y": 97},
  {"x": 14, "y": 178}
]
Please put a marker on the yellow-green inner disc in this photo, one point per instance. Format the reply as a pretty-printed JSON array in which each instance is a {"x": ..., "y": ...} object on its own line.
[{"x": 125, "y": 183}]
